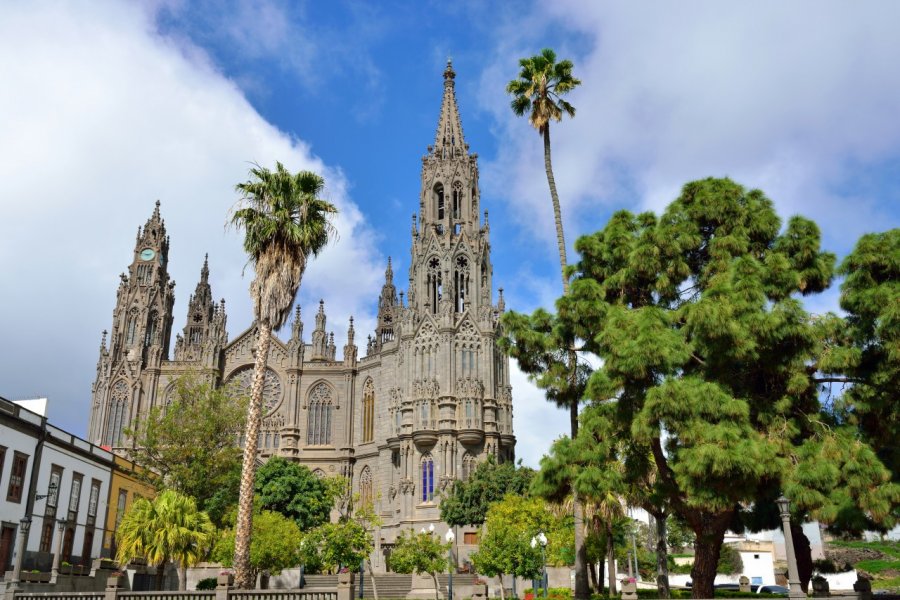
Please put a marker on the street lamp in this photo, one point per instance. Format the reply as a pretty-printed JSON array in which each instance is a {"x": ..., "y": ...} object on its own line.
[
  {"x": 541, "y": 540},
  {"x": 784, "y": 508},
  {"x": 449, "y": 537}
]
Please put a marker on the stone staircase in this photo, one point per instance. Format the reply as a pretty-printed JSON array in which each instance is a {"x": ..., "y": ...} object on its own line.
[{"x": 391, "y": 586}]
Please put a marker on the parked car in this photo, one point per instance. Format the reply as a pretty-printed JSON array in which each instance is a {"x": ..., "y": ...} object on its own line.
[
  {"x": 727, "y": 586},
  {"x": 772, "y": 589}
]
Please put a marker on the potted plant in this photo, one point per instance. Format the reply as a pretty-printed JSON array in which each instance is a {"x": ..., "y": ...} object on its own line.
[
  {"x": 225, "y": 579},
  {"x": 115, "y": 580},
  {"x": 35, "y": 576},
  {"x": 345, "y": 576},
  {"x": 629, "y": 588},
  {"x": 820, "y": 585}
]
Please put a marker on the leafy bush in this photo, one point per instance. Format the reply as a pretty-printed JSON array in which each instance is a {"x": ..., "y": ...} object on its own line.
[
  {"x": 207, "y": 583},
  {"x": 826, "y": 565},
  {"x": 730, "y": 562},
  {"x": 559, "y": 594}
]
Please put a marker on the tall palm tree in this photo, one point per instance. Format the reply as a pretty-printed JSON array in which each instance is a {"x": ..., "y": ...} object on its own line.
[
  {"x": 167, "y": 528},
  {"x": 285, "y": 222},
  {"x": 538, "y": 93}
]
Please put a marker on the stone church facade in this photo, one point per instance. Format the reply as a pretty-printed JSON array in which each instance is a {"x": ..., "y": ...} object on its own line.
[{"x": 429, "y": 399}]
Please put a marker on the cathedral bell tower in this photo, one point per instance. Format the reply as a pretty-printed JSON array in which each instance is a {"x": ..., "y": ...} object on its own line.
[
  {"x": 139, "y": 339},
  {"x": 453, "y": 407},
  {"x": 451, "y": 270}
]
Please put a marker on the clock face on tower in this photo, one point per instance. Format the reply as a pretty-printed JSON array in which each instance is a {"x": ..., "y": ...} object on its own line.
[{"x": 147, "y": 254}]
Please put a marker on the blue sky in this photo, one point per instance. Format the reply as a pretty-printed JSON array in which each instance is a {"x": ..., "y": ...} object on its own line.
[{"x": 108, "y": 106}]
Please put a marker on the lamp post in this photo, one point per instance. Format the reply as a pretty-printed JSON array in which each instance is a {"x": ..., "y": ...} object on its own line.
[
  {"x": 24, "y": 526},
  {"x": 449, "y": 537},
  {"x": 54, "y": 570},
  {"x": 541, "y": 540},
  {"x": 784, "y": 508}
]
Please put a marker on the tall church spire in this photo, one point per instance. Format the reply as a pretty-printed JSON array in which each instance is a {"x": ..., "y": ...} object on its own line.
[{"x": 448, "y": 140}]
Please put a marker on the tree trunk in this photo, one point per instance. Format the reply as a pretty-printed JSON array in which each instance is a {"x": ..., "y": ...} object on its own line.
[
  {"x": 706, "y": 553},
  {"x": 611, "y": 561},
  {"x": 372, "y": 578},
  {"x": 600, "y": 576},
  {"x": 243, "y": 576},
  {"x": 703, "y": 573},
  {"x": 182, "y": 578},
  {"x": 557, "y": 213},
  {"x": 161, "y": 575},
  {"x": 803, "y": 552},
  {"x": 582, "y": 590},
  {"x": 662, "y": 557},
  {"x": 502, "y": 591},
  {"x": 437, "y": 589},
  {"x": 592, "y": 572}
]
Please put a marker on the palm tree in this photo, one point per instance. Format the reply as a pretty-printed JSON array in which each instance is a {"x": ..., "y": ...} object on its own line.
[
  {"x": 285, "y": 222},
  {"x": 168, "y": 528},
  {"x": 538, "y": 93}
]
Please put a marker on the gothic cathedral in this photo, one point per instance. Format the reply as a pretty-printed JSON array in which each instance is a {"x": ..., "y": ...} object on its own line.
[{"x": 430, "y": 398}]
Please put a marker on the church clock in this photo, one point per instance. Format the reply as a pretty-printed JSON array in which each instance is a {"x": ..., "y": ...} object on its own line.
[{"x": 147, "y": 254}]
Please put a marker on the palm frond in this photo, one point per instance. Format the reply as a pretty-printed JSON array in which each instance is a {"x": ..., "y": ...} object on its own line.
[{"x": 285, "y": 222}]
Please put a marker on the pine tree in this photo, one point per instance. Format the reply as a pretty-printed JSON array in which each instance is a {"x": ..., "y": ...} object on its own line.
[{"x": 709, "y": 363}]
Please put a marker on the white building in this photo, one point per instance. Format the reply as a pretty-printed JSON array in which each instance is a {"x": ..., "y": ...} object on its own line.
[{"x": 60, "y": 506}]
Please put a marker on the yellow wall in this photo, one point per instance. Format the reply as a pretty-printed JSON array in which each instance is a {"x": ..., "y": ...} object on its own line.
[{"x": 123, "y": 479}]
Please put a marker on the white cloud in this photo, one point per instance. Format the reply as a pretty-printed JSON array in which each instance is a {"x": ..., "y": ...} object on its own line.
[
  {"x": 537, "y": 422},
  {"x": 102, "y": 116},
  {"x": 794, "y": 98}
]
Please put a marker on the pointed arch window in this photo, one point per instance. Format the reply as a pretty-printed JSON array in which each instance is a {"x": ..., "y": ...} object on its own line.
[
  {"x": 368, "y": 412},
  {"x": 427, "y": 478},
  {"x": 461, "y": 283},
  {"x": 468, "y": 466},
  {"x": 434, "y": 284},
  {"x": 366, "y": 488},
  {"x": 457, "y": 200},
  {"x": 318, "y": 427},
  {"x": 439, "y": 201},
  {"x": 116, "y": 414},
  {"x": 152, "y": 326},
  {"x": 131, "y": 327}
]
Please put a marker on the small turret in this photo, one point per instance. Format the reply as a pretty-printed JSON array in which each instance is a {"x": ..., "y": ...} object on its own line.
[
  {"x": 350, "y": 350},
  {"x": 319, "y": 337},
  {"x": 387, "y": 303}
]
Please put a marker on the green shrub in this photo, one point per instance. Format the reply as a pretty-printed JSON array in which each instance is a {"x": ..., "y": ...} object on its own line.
[
  {"x": 730, "y": 562},
  {"x": 207, "y": 583}
]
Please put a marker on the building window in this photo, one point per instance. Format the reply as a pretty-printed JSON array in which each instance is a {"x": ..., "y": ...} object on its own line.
[
  {"x": 46, "y": 536},
  {"x": 318, "y": 427},
  {"x": 152, "y": 324},
  {"x": 53, "y": 488},
  {"x": 366, "y": 495},
  {"x": 118, "y": 404},
  {"x": 16, "y": 477},
  {"x": 470, "y": 538},
  {"x": 131, "y": 327},
  {"x": 93, "y": 501},
  {"x": 427, "y": 478},
  {"x": 434, "y": 284},
  {"x": 368, "y": 424},
  {"x": 75, "y": 495},
  {"x": 439, "y": 202},
  {"x": 468, "y": 466},
  {"x": 120, "y": 506}
]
